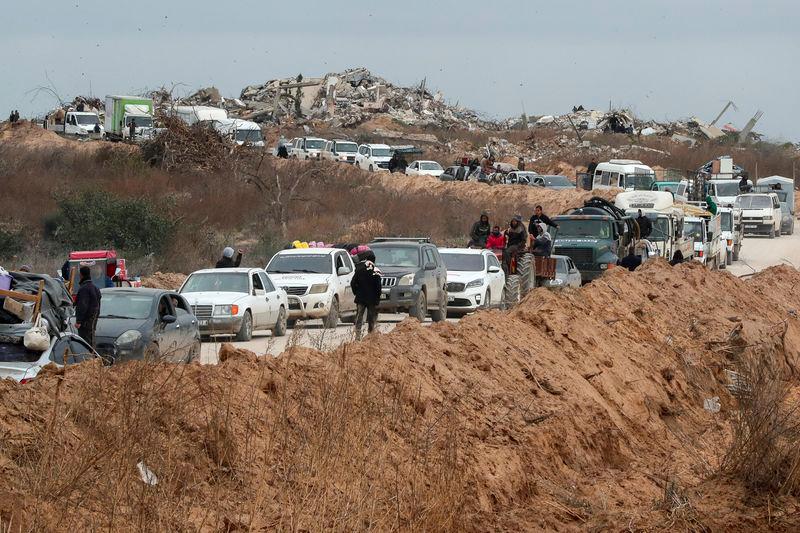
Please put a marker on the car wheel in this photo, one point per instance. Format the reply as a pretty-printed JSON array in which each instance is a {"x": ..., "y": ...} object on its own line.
[
  {"x": 280, "y": 325},
  {"x": 246, "y": 330},
  {"x": 152, "y": 353},
  {"x": 194, "y": 352},
  {"x": 771, "y": 233},
  {"x": 729, "y": 258},
  {"x": 420, "y": 308},
  {"x": 441, "y": 312},
  {"x": 332, "y": 320},
  {"x": 736, "y": 254},
  {"x": 487, "y": 299}
]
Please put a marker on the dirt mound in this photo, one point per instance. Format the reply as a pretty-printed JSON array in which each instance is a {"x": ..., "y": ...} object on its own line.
[
  {"x": 580, "y": 410},
  {"x": 30, "y": 136},
  {"x": 164, "y": 280}
]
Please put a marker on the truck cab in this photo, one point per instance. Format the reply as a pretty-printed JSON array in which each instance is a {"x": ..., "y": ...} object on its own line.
[
  {"x": 732, "y": 232},
  {"x": 704, "y": 229},
  {"x": 667, "y": 220},
  {"x": 81, "y": 124},
  {"x": 594, "y": 236},
  {"x": 241, "y": 132},
  {"x": 628, "y": 174},
  {"x": 307, "y": 148},
  {"x": 122, "y": 111},
  {"x": 724, "y": 192},
  {"x": 761, "y": 213}
]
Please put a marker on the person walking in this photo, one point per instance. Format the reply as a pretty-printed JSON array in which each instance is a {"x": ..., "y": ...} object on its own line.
[
  {"x": 539, "y": 218},
  {"x": 227, "y": 260},
  {"x": 366, "y": 285},
  {"x": 87, "y": 306}
]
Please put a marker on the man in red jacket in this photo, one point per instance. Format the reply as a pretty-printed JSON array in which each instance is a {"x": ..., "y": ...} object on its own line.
[{"x": 496, "y": 239}]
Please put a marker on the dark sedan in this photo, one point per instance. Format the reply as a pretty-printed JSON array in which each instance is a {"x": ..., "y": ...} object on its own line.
[{"x": 151, "y": 324}]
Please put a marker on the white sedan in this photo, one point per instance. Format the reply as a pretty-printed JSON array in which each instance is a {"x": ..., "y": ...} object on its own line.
[
  {"x": 424, "y": 168},
  {"x": 475, "y": 279},
  {"x": 235, "y": 302},
  {"x": 567, "y": 274}
]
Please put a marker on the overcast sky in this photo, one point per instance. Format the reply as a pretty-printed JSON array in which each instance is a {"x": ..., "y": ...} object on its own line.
[{"x": 662, "y": 59}]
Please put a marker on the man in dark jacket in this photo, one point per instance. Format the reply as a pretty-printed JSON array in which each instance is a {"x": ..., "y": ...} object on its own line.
[
  {"x": 132, "y": 130},
  {"x": 87, "y": 306},
  {"x": 539, "y": 218},
  {"x": 480, "y": 232},
  {"x": 591, "y": 167},
  {"x": 283, "y": 153},
  {"x": 366, "y": 285},
  {"x": 645, "y": 226},
  {"x": 631, "y": 261},
  {"x": 516, "y": 241},
  {"x": 227, "y": 260}
]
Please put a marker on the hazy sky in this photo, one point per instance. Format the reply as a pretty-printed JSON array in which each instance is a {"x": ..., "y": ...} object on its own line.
[{"x": 663, "y": 59}]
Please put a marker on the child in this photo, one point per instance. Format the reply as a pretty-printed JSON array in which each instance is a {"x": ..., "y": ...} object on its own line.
[{"x": 496, "y": 239}]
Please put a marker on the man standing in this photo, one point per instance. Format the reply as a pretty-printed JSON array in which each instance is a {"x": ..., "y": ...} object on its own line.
[
  {"x": 132, "y": 130},
  {"x": 516, "y": 241},
  {"x": 539, "y": 218},
  {"x": 521, "y": 163},
  {"x": 645, "y": 226},
  {"x": 227, "y": 260},
  {"x": 592, "y": 167},
  {"x": 87, "y": 306},
  {"x": 480, "y": 231},
  {"x": 366, "y": 285}
]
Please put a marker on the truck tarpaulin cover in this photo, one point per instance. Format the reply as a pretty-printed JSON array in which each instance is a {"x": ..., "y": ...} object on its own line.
[
  {"x": 56, "y": 303},
  {"x": 137, "y": 109}
]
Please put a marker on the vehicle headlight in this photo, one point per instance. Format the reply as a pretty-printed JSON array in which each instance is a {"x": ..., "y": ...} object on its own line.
[
  {"x": 226, "y": 310},
  {"x": 556, "y": 281},
  {"x": 475, "y": 283},
  {"x": 318, "y": 288},
  {"x": 128, "y": 339},
  {"x": 408, "y": 279},
  {"x": 768, "y": 218}
]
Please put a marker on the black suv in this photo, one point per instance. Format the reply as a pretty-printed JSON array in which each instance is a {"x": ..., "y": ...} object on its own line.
[{"x": 414, "y": 277}]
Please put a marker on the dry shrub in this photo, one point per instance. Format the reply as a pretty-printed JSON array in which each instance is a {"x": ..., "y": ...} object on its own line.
[
  {"x": 180, "y": 147},
  {"x": 764, "y": 452}
]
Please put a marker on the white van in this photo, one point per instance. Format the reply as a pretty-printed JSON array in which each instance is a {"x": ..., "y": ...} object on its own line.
[
  {"x": 240, "y": 131},
  {"x": 761, "y": 213},
  {"x": 192, "y": 114},
  {"x": 628, "y": 174}
]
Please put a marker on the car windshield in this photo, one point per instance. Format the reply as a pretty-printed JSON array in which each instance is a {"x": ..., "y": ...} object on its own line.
[
  {"x": 694, "y": 230},
  {"x": 753, "y": 202},
  {"x": 463, "y": 262},
  {"x": 664, "y": 185},
  {"x": 251, "y": 136},
  {"x": 381, "y": 152},
  {"x": 87, "y": 119},
  {"x": 726, "y": 218},
  {"x": 639, "y": 182},
  {"x": 557, "y": 181},
  {"x": 141, "y": 122},
  {"x": 217, "y": 282},
  {"x": 300, "y": 263},
  {"x": 397, "y": 256},
  {"x": 125, "y": 305},
  {"x": 17, "y": 353},
  {"x": 347, "y": 147},
  {"x": 726, "y": 189},
  {"x": 660, "y": 229},
  {"x": 577, "y": 228},
  {"x": 430, "y": 166},
  {"x": 314, "y": 144}
]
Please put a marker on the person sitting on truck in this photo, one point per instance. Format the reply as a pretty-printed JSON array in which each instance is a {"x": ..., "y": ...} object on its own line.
[
  {"x": 227, "y": 260},
  {"x": 712, "y": 206},
  {"x": 496, "y": 239},
  {"x": 645, "y": 226},
  {"x": 543, "y": 243},
  {"x": 480, "y": 232},
  {"x": 538, "y": 218},
  {"x": 516, "y": 240},
  {"x": 677, "y": 258},
  {"x": 744, "y": 184},
  {"x": 630, "y": 261}
]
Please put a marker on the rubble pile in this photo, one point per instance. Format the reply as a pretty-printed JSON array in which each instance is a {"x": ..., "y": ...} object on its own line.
[{"x": 351, "y": 97}]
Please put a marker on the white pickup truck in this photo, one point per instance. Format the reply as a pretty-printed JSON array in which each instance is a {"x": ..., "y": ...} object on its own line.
[
  {"x": 320, "y": 277},
  {"x": 705, "y": 229}
]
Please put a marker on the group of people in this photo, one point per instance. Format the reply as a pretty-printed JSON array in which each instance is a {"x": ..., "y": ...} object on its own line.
[
  {"x": 13, "y": 117},
  {"x": 515, "y": 238}
]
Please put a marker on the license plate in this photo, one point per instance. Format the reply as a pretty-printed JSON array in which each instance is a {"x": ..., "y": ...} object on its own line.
[
  {"x": 750, "y": 226},
  {"x": 203, "y": 322}
]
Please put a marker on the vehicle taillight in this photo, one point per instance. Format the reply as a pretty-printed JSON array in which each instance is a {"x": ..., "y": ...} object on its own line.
[
  {"x": 700, "y": 253},
  {"x": 23, "y": 381},
  {"x": 730, "y": 242},
  {"x": 234, "y": 309}
]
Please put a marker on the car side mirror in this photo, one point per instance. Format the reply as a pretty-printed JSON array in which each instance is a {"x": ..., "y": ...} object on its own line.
[
  {"x": 494, "y": 270},
  {"x": 169, "y": 319},
  {"x": 343, "y": 271},
  {"x": 430, "y": 266}
]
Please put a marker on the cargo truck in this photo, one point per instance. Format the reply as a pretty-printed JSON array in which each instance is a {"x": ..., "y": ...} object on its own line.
[
  {"x": 121, "y": 111},
  {"x": 704, "y": 228},
  {"x": 667, "y": 220}
]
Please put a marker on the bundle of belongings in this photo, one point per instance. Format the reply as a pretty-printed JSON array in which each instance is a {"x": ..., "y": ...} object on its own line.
[{"x": 33, "y": 308}]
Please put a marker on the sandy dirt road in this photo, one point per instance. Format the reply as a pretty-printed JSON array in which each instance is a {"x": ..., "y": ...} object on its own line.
[{"x": 759, "y": 253}]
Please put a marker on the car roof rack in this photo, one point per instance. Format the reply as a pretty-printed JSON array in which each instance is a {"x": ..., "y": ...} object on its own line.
[{"x": 420, "y": 240}]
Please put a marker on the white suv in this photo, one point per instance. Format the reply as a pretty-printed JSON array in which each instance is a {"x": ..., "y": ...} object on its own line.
[
  {"x": 474, "y": 279},
  {"x": 307, "y": 148},
  {"x": 373, "y": 157},
  {"x": 761, "y": 213},
  {"x": 338, "y": 150},
  {"x": 236, "y": 301},
  {"x": 319, "y": 278}
]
